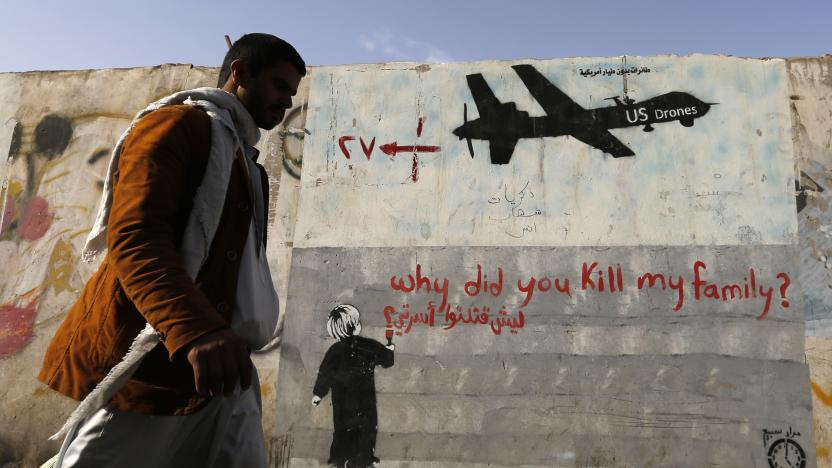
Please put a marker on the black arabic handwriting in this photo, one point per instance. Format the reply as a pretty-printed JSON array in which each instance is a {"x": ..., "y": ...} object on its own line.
[
  {"x": 590, "y": 73},
  {"x": 513, "y": 203}
]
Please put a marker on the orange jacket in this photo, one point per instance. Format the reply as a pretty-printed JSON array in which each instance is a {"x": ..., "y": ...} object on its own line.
[{"x": 142, "y": 280}]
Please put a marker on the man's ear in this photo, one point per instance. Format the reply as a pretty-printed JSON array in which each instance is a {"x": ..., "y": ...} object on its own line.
[{"x": 240, "y": 74}]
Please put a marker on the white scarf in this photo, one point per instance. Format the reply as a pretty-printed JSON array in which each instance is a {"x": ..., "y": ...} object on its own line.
[{"x": 232, "y": 130}]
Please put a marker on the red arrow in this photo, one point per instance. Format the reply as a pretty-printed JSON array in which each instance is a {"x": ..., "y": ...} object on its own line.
[{"x": 392, "y": 148}]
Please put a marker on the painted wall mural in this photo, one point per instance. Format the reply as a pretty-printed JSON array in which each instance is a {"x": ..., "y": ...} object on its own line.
[
  {"x": 575, "y": 268},
  {"x": 290, "y": 137},
  {"x": 56, "y": 133},
  {"x": 557, "y": 369},
  {"x": 556, "y": 305},
  {"x": 347, "y": 372},
  {"x": 502, "y": 124},
  {"x": 684, "y": 185},
  {"x": 36, "y": 161}
]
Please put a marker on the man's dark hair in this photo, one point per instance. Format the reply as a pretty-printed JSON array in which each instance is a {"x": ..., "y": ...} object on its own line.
[{"x": 260, "y": 51}]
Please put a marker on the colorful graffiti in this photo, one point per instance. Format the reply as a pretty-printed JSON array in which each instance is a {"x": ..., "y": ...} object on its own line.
[
  {"x": 16, "y": 322},
  {"x": 817, "y": 355},
  {"x": 17, "y": 318},
  {"x": 36, "y": 218},
  {"x": 669, "y": 338},
  {"x": 825, "y": 398}
]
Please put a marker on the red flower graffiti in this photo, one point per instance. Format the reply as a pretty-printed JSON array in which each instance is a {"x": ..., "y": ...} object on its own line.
[
  {"x": 35, "y": 219},
  {"x": 16, "y": 326},
  {"x": 8, "y": 214}
]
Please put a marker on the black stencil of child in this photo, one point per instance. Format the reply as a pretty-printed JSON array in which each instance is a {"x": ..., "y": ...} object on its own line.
[{"x": 348, "y": 370}]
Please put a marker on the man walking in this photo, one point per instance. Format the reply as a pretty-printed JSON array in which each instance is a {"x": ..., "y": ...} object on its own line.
[{"x": 161, "y": 333}]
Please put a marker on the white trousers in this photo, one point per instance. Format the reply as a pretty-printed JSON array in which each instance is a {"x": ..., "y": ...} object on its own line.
[{"x": 228, "y": 432}]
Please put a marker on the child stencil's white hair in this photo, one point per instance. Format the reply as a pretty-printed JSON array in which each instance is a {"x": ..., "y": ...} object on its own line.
[{"x": 344, "y": 321}]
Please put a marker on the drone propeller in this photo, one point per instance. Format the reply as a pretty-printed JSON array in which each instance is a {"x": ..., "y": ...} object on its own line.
[{"x": 465, "y": 119}]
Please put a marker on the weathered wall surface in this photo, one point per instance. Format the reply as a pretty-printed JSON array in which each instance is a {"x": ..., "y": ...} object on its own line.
[
  {"x": 568, "y": 356},
  {"x": 811, "y": 95}
]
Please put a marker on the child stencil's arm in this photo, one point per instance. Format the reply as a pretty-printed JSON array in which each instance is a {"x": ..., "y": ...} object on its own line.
[
  {"x": 385, "y": 354},
  {"x": 326, "y": 374}
]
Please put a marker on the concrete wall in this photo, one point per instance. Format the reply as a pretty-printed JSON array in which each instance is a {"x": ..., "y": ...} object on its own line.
[
  {"x": 811, "y": 94},
  {"x": 370, "y": 185}
]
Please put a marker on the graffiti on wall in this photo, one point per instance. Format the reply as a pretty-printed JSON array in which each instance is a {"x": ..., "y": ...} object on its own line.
[
  {"x": 609, "y": 71},
  {"x": 426, "y": 261},
  {"x": 37, "y": 216},
  {"x": 817, "y": 355},
  {"x": 27, "y": 215},
  {"x": 289, "y": 140},
  {"x": 657, "y": 325},
  {"x": 806, "y": 187},
  {"x": 392, "y": 149},
  {"x": 697, "y": 285},
  {"x": 347, "y": 372},
  {"x": 503, "y": 125},
  {"x": 361, "y": 135},
  {"x": 783, "y": 448}
]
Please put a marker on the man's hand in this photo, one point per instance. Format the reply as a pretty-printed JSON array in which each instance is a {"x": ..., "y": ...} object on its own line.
[
  {"x": 316, "y": 400},
  {"x": 219, "y": 360}
]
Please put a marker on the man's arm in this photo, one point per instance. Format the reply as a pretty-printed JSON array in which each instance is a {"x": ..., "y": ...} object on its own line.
[{"x": 150, "y": 190}]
